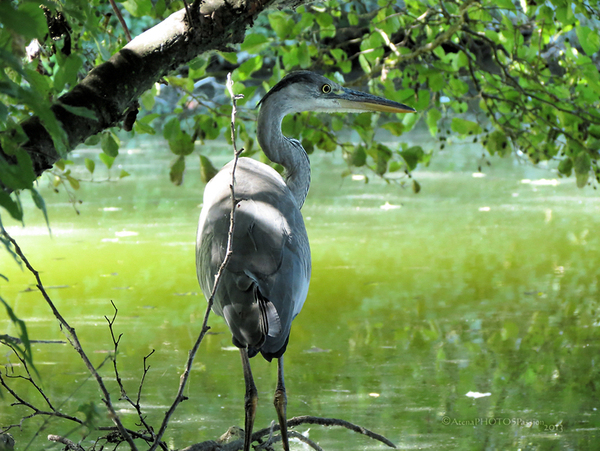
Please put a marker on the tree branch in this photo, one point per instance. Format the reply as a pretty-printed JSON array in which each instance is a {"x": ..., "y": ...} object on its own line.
[
  {"x": 205, "y": 328},
  {"x": 111, "y": 89},
  {"x": 74, "y": 340}
]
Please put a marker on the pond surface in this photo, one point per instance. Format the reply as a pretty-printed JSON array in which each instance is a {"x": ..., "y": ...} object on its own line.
[{"x": 464, "y": 317}]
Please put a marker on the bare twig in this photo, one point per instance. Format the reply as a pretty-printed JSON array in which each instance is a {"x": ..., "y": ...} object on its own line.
[
  {"x": 277, "y": 438},
  {"x": 296, "y": 421},
  {"x": 146, "y": 368},
  {"x": 124, "y": 395},
  {"x": 65, "y": 441},
  {"x": 18, "y": 341},
  {"x": 28, "y": 378},
  {"x": 205, "y": 328},
  {"x": 307, "y": 419},
  {"x": 120, "y": 17},
  {"x": 74, "y": 340}
]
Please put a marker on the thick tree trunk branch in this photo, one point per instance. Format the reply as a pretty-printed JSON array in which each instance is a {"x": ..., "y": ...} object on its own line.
[{"x": 113, "y": 87}]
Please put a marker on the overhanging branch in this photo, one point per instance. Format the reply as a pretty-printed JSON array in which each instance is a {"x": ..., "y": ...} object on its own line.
[{"x": 111, "y": 88}]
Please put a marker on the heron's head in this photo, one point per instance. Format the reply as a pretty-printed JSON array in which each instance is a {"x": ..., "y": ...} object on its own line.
[{"x": 307, "y": 91}]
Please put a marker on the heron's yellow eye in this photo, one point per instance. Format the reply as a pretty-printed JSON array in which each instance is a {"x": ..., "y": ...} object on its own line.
[{"x": 326, "y": 89}]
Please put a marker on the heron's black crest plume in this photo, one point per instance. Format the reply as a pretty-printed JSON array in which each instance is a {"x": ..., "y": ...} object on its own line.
[{"x": 298, "y": 76}]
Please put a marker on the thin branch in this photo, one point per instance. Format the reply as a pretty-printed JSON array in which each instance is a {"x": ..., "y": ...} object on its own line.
[
  {"x": 120, "y": 17},
  {"x": 18, "y": 341},
  {"x": 124, "y": 395},
  {"x": 307, "y": 419},
  {"x": 236, "y": 445},
  {"x": 297, "y": 435},
  {"x": 74, "y": 340},
  {"x": 146, "y": 369},
  {"x": 65, "y": 441},
  {"x": 304, "y": 439},
  {"x": 205, "y": 328}
]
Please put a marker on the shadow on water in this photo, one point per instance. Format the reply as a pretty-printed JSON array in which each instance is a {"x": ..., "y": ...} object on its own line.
[{"x": 464, "y": 317}]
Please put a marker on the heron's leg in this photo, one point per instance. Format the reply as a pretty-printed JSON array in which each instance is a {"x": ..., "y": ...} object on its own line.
[
  {"x": 250, "y": 401},
  {"x": 280, "y": 402}
]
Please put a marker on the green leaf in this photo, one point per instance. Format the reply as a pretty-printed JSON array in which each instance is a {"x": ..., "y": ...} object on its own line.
[
  {"x": 177, "y": 169},
  {"x": 412, "y": 156},
  {"x": 582, "y": 165},
  {"x": 465, "y": 127},
  {"x": 281, "y": 24},
  {"x": 588, "y": 39},
  {"x": 171, "y": 129},
  {"x": 26, "y": 352},
  {"x": 138, "y": 8},
  {"x": 416, "y": 187},
  {"x": 248, "y": 67},
  {"x": 359, "y": 157},
  {"x": 80, "y": 111},
  {"x": 325, "y": 21},
  {"x": 254, "y": 43},
  {"x": 182, "y": 145},
  {"x": 39, "y": 202},
  {"x": 142, "y": 127},
  {"x": 505, "y": 4},
  {"x": 497, "y": 143},
  {"x": 93, "y": 140},
  {"x": 10, "y": 205},
  {"x": 436, "y": 81},
  {"x": 124, "y": 174},
  {"x": 565, "y": 166},
  {"x": 109, "y": 144},
  {"x": 433, "y": 116},
  {"x": 509, "y": 330},
  {"x": 90, "y": 165},
  {"x": 27, "y": 20},
  {"x": 107, "y": 160},
  {"x": 73, "y": 182},
  {"x": 20, "y": 175},
  {"x": 207, "y": 170},
  {"x": 148, "y": 98},
  {"x": 67, "y": 72}
]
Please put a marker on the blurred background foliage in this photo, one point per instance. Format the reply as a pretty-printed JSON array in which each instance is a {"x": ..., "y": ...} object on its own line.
[{"x": 520, "y": 77}]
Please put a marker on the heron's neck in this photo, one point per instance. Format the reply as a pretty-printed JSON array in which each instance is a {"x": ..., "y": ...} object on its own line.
[{"x": 279, "y": 149}]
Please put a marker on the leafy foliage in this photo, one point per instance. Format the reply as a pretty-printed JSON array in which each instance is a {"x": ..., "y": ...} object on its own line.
[{"x": 520, "y": 77}]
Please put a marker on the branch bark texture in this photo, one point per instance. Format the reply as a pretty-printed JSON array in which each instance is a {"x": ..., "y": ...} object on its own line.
[{"x": 111, "y": 88}]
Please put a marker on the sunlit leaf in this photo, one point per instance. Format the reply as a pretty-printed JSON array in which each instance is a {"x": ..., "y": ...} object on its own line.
[
  {"x": 588, "y": 39},
  {"x": 177, "y": 170},
  {"x": 465, "y": 127},
  {"x": 39, "y": 202},
  {"x": 109, "y": 144},
  {"x": 183, "y": 144},
  {"x": 207, "y": 170},
  {"x": 107, "y": 160},
  {"x": 582, "y": 165}
]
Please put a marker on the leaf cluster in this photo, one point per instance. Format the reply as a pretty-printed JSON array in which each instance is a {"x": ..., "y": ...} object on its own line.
[{"x": 520, "y": 78}]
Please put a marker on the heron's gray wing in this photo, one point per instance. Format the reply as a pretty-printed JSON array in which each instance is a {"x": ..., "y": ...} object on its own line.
[{"x": 266, "y": 280}]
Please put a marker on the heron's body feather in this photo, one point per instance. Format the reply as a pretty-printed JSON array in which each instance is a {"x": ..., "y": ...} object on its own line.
[{"x": 266, "y": 280}]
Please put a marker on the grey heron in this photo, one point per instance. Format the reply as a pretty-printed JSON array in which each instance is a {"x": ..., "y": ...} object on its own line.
[{"x": 266, "y": 280}]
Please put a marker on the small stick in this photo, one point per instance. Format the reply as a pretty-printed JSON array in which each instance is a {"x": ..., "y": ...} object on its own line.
[
  {"x": 65, "y": 441},
  {"x": 205, "y": 328},
  {"x": 120, "y": 17}
]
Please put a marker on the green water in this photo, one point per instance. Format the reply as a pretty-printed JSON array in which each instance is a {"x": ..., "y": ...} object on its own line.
[{"x": 478, "y": 284}]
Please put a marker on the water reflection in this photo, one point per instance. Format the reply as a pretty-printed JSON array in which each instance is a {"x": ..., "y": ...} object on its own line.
[{"x": 476, "y": 285}]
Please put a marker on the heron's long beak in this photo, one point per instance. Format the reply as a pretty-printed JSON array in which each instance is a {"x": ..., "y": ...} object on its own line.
[{"x": 362, "y": 101}]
